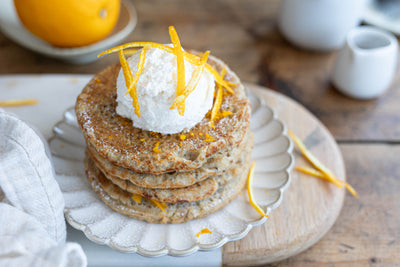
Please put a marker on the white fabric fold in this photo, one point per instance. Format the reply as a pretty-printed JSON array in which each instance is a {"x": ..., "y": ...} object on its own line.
[{"x": 32, "y": 225}]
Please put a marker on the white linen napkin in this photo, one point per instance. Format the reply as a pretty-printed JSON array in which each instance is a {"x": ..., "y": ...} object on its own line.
[{"x": 32, "y": 225}]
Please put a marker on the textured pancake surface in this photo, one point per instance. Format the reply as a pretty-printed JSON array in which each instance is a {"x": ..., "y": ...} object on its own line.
[
  {"x": 215, "y": 165},
  {"x": 122, "y": 202},
  {"x": 195, "y": 192},
  {"x": 116, "y": 140}
]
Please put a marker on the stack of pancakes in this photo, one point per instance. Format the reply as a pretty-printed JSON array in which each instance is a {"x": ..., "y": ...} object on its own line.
[{"x": 190, "y": 174}]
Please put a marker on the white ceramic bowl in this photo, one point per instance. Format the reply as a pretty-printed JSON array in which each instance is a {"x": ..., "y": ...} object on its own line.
[{"x": 11, "y": 26}]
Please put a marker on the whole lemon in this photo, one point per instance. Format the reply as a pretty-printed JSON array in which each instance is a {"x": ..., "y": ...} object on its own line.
[{"x": 69, "y": 23}]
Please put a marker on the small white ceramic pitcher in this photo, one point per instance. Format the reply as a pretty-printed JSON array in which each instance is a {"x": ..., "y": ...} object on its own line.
[
  {"x": 365, "y": 66},
  {"x": 319, "y": 24}
]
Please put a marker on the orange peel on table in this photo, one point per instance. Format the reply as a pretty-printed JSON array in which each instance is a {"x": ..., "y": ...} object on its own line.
[
  {"x": 250, "y": 191},
  {"x": 318, "y": 174},
  {"x": 18, "y": 102},
  {"x": 314, "y": 161}
]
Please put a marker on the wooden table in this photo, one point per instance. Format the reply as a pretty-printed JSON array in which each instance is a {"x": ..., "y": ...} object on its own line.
[{"x": 244, "y": 34}]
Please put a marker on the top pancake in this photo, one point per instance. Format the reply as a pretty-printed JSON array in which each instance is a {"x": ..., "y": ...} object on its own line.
[{"x": 116, "y": 140}]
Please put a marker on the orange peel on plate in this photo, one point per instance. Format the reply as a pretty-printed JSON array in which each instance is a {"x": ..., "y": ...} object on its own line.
[
  {"x": 203, "y": 231},
  {"x": 250, "y": 191}
]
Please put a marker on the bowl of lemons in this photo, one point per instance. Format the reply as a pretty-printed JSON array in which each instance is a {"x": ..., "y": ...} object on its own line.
[{"x": 71, "y": 30}]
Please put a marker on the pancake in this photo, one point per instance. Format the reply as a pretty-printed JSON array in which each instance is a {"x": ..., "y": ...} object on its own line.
[
  {"x": 117, "y": 141},
  {"x": 195, "y": 192},
  {"x": 121, "y": 201},
  {"x": 215, "y": 165}
]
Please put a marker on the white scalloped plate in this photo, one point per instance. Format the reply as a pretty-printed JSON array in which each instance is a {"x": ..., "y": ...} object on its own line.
[{"x": 85, "y": 211}]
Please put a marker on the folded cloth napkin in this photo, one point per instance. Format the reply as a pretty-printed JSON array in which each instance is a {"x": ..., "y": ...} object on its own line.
[{"x": 32, "y": 225}]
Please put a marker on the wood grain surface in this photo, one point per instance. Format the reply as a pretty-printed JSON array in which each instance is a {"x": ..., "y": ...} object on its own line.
[
  {"x": 243, "y": 34},
  {"x": 310, "y": 206}
]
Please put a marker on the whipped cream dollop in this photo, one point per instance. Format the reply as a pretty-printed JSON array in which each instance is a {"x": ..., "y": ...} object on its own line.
[{"x": 156, "y": 91}]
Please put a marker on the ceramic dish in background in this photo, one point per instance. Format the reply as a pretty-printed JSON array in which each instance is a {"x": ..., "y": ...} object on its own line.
[
  {"x": 384, "y": 14},
  {"x": 85, "y": 211},
  {"x": 11, "y": 26}
]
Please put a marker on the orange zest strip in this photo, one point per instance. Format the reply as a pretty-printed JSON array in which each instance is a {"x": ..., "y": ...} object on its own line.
[
  {"x": 179, "y": 101},
  {"x": 130, "y": 52},
  {"x": 314, "y": 161},
  {"x": 188, "y": 56},
  {"x": 320, "y": 175},
  {"x": 158, "y": 204},
  {"x": 137, "y": 198},
  {"x": 15, "y": 102},
  {"x": 250, "y": 191},
  {"x": 218, "y": 101},
  {"x": 203, "y": 231},
  {"x": 180, "y": 62},
  {"x": 125, "y": 68},
  {"x": 132, "y": 88},
  {"x": 129, "y": 80},
  {"x": 217, "y": 105}
]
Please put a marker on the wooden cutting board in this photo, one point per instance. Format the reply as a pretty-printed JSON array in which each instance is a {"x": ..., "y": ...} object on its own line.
[{"x": 310, "y": 206}]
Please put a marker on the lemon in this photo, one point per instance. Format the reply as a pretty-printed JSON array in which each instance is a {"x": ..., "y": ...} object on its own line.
[{"x": 69, "y": 23}]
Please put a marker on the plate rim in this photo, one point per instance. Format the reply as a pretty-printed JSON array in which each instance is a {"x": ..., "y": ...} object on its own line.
[
  {"x": 57, "y": 52},
  {"x": 197, "y": 247}
]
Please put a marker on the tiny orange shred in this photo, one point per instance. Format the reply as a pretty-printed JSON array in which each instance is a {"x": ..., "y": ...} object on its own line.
[
  {"x": 158, "y": 204},
  {"x": 250, "y": 191},
  {"x": 137, "y": 198},
  {"x": 182, "y": 137},
  {"x": 18, "y": 102},
  {"x": 203, "y": 231},
  {"x": 156, "y": 148}
]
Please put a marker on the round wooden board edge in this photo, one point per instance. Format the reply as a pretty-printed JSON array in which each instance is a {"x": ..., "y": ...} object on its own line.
[{"x": 258, "y": 257}]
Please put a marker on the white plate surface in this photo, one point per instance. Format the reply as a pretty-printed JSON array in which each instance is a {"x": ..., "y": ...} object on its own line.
[{"x": 85, "y": 211}]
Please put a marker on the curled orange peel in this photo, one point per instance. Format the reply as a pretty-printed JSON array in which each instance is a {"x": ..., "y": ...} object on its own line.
[
  {"x": 314, "y": 161},
  {"x": 218, "y": 100},
  {"x": 193, "y": 59},
  {"x": 179, "y": 101},
  {"x": 180, "y": 62},
  {"x": 318, "y": 174},
  {"x": 129, "y": 80},
  {"x": 203, "y": 231},
  {"x": 250, "y": 191}
]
